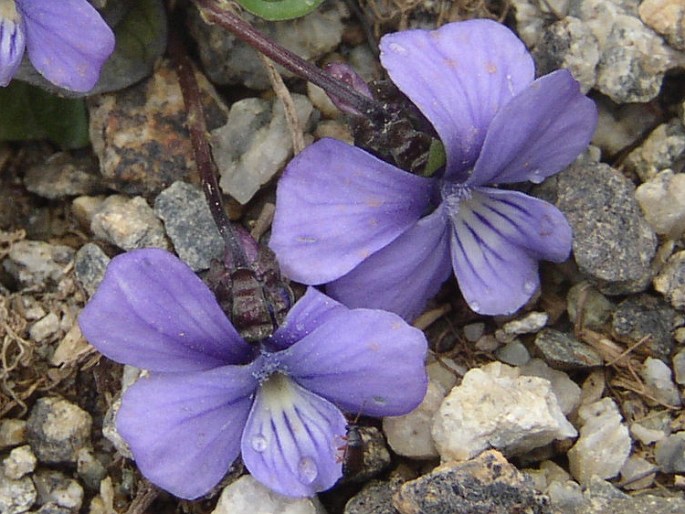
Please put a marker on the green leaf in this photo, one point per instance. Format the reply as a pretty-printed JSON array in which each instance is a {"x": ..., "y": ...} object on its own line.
[
  {"x": 436, "y": 158},
  {"x": 29, "y": 113},
  {"x": 278, "y": 10}
]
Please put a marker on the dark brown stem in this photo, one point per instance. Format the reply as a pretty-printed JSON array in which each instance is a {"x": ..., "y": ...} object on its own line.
[
  {"x": 290, "y": 61},
  {"x": 203, "y": 154}
]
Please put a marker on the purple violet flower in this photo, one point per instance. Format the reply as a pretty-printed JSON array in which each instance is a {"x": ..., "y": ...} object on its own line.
[
  {"x": 67, "y": 41},
  {"x": 382, "y": 238},
  {"x": 211, "y": 396}
]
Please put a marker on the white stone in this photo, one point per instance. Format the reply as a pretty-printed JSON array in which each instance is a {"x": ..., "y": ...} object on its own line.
[
  {"x": 529, "y": 324},
  {"x": 16, "y": 496},
  {"x": 646, "y": 435},
  {"x": 603, "y": 445},
  {"x": 20, "y": 462},
  {"x": 246, "y": 495},
  {"x": 566, "y": 390},
  {"x": 44, "y": 328},
  {"x": 662, "y": 199},
  {"x": 410, "y": 435},
  {"x": 495, "y": 407},
  {"x": 658, "y": 378},
  {"x": 679, "y": 367}
]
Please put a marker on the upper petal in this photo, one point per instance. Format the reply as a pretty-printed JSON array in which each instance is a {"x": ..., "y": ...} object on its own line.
[
  {"x": 538, "y": 133},
  {"x": 459, "y": 76},
  {"x": 404, "y": 275},
  {"x": 498, "y": 238},
  {"x": 153, "y": 312},
  {"x": 184, "y": 429},
  {"x": 364, "y": 361},
  {"x": 310, "y": 312},
  {"x": 12, "y": 42},
  {"x": 336, "y": 205},
  {"x": 290, "y": 442},
  {"x": 67, "y": 40}
]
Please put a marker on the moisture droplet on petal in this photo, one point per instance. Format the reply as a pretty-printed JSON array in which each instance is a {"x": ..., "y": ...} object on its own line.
[
  {"x": 398, "y": 49},
  {"x": 475, "y": 306},
  {"x": 536, "y": 176},
  {"x": 307, "y": 470},
  {"x": 258, "y": 443},
  {"x": 529, "y": 286}
]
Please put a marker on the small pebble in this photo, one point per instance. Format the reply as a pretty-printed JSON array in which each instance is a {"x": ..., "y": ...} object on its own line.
[
  {"x": 16, "y": 496},
  {"x": 248, "y": 495},
  {"x": 667, "y": 17},
  {"x": 496, "y": 407},
  {"x": 633, "y": 473},
  {"x": 646, "y": 435},
  {"x": 410, "y": 435},
  {"x": 55, "y": 487},
  {"x": 671, "y": 280},
  {"x": 514, "y": 353},
  {"x": 679, "y": 367},
  {"x": 36, "y": 264},
  {"x": 90, "y": 264},
  {"x": 57, "y": 429},
  {"x": 473, "y": 331},
  {"x": 529, "y": 324},
  {"x": 604, "y": 443},
  {"x": 660, "y": 151},
  {"x": 648, "y": 318},
  {"x": 594, "y": 308},
  {"x": 670, "y": 453},
  {"x": 660, "y": 198},
  {"x": 44, "y": 328},
  {"x": 565, "y": 352},
  {"x": 566, "y": 390},
  {"x": 128, "y": 223},
  {"x": 659, "y": 379},
  {"x": 12, "y": 432},
  {"x": 374, "y": 498},
  {"x": 63, "y": 176},
  {"x": 20, "y": 462}
]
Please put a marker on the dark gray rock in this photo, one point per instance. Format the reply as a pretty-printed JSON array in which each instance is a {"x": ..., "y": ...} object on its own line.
[
  {"x": 374, "y": 498},
  {"x": 613, "y": 244},
  {"x": 57, "y": 430},
  {"x": 670, "y": 453},
  {"x": 487, "y": 483},
  {"x": 565, "y": 352},
  {"x": 645, "y": 316},
  {"x": 63, "y": 176},
  {"x": 661, "y": 150},
  {"x": 189, "y": 224},
  {"x": 90, "y": 264},
  {"x": 38, "y": 265},
  {"x": 57, "y": 489},
  {"x": 376, "y": 456}
]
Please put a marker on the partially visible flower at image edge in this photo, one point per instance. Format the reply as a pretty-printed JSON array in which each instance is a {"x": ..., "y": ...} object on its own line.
[
  {"x": 67, "y": 41},
  {"x": 379, "y": 237},
  {"x": 210, "y": 396}
]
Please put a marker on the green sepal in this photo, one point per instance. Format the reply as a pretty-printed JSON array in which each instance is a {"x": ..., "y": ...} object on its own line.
[{"x": 279, "y": 10}]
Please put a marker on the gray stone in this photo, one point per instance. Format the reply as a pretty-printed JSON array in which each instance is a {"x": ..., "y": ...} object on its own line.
[
  {"x": 679, "y": 367},
  {"x": 496, "y": 407},
  {"x": 90, "y": 469},
  {"x": 660, "y": 151},
  {"x": 670, "y": 453},
  {"x": 671, "y": 280},
  {"x": 44, "y": 328},
  {"x": 189, "y": 224},
  {"x": 56, "y": 488},
  {"x": 603, "y": 445},
  {"x": 637, "y": 473},
  {"x": 57, "y": 430},
  {"x": 563, "y": 351},
  {"x": 90, "y": 264},
  {"x": 620, "y": 127},
  {"x": 52, "y": 508},
  {"x": 528, "y": 324},
  {"x": 645, "y": 316},
  {"x": 570, "y": 44},
  {"x": 661, "y": 199},
  {"x": 228, "y": 60},
  {"x": 38, "y": 265},
  {"x": 249, "y": 153},
  {"x": 473, "y": 331},
  {"x": 659, "y": 380},
  {"x": 128, "y": 223},
  {"x": 532, "y": 17},
  {"x": 641, "y": 504},
  {"x": 374, "y": 498},
  {"x": 19, "y": 462},
  {"x": 16, "y": 496},
  {"x": 613, "y": 244},
  {"x": 593, "y": 307},
  {"x": 566, "y": 390},
  {"x": 248, "y": 495},
  {"x": 63, "y": 176},
  {"x": 487, "y": 483},
  {"x": 376, "y": 457},
  {"x": 514, "y": 353},
  {"x": 667, "y": 17}
]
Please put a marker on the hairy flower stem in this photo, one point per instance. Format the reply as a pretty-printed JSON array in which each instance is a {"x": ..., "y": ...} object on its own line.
[
  {"x": 203, "y": 154},
  {"x": 214, "y": 12}
]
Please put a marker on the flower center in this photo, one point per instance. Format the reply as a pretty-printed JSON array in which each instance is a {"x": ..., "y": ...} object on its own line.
[
  {"x": 268, "y": 365},
  {"x": 8, "y": 11},
  {"x": 453, "y": 194}
]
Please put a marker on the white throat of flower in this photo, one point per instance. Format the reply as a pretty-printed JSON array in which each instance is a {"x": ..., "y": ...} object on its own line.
[
  {"x": 453, "y": 194},
  {"x": 8, "y": 11}
]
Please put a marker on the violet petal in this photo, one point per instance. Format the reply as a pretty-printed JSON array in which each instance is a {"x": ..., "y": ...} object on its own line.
[
  {"x": 538, "y": 133},
  {"x": 336, "y": 205},
  {"x": 184, "y": 429},
  {"x": 310, "y": 312},
  {"x": 67, "y": 40},
  {"x": 498, "y": 238},
  {"x": 153, "y": 312},
  {"x": 459, "y": 76},
  {"x": 404, "y": 275},
  {"x": 12, "y": 42},
  {"x": 291, "y": 440},
  {"x": 364, "y": 361}
]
